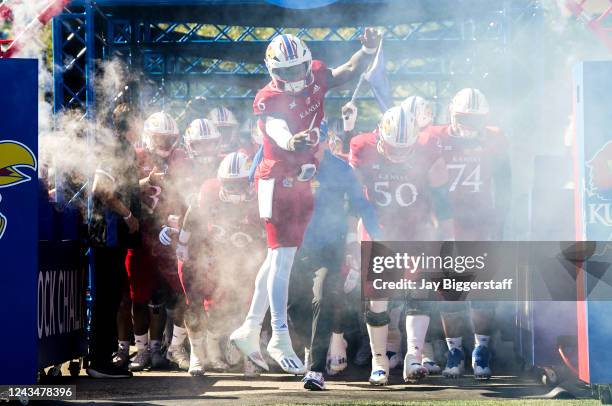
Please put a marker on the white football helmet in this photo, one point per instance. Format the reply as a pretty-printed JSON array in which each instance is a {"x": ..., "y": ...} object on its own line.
[
  {"x": 398, "y": 133},
  {"x": 469, "y": 111},
  {"x": 161, "y": 134},
  {"x": 421, "y": 109},
  {"x": 233, "y": 174},
  {"x": 226, "y": 123},
  {"x": 251, "y": 129},
  {"x": 289, "y": 63},
  {"x": 202, "y": 140},
  {"x": 221, "y": 116}
]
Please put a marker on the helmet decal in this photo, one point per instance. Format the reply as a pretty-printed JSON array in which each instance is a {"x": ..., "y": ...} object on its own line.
[
  {"x": 234, "y": 165},
  {"x": 289, "y": 47},
  {"x": 402, "y": 127}
]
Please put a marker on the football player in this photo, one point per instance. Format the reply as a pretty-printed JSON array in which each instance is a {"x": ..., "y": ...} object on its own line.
[
  {"x": 221, "y": 242},
  {"x": 152, "y": 268},
  {"x": 202, "y": 141},
  {"x": 476, "y": 156},
  {"x": 203, "y": 145},
  {"x": 405, "y": 177},
  {"x": 316, "y": 292},
  {"x": 226, "y": 123},
  {"x": 289, "y": 111}
]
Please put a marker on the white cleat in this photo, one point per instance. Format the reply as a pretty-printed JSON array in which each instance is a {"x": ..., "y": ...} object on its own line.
[
  {"x": 380, "y": 370},
  {"x": 379, "y": 377},
  {"x": 482, "y": 373},
  {"x": 196, "y": 359},
  {"x": 429, "y": 361},
  {"x": 178, "y": 356},
  {"x": 281, "y": 350},
  {"x": 413, "y": 370},
  {"x": 246, "y": 339}
]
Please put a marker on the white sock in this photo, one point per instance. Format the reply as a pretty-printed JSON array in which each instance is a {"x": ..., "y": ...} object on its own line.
[
  {"x": 278, "y": 286},
  {"x": 259, "y": 302},
  {"x": 336, "y": 344},
  {"x": 178, "y": 336},
  {"x": 124, "y": 346},
  {"x": 155, "y": 345},
  {"x": 482, "y": 340},
  {"x": 428, "y": 353},
  {"x": 378, "y": 345},
  {"x": 454, "y": 342},
  {"x": 142, "y": 341},
  {"x": 197, "y": 346},
  {"x": 416, "y": 330}
]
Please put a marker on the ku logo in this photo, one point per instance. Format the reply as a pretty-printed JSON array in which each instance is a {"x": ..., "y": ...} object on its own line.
[
  {"x": 13, "y": 155},
  {"x": 600, "y": 173}
]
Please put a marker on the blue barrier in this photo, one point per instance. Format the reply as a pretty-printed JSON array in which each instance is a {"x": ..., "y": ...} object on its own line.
[{"x": 18, "y": 218}]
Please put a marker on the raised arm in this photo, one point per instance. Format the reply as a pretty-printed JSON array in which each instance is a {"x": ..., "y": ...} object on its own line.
[{"x": 357, "y": 63}]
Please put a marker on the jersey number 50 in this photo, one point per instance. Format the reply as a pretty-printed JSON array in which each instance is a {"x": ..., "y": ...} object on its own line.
[{"x": 404, "y": 195}]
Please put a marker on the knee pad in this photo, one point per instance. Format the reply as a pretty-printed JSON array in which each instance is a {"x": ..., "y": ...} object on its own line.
[
  {"x": 157, "y": 302},
  {"x": 377, "y": 319},
  {"x": 378, "y": 306}
]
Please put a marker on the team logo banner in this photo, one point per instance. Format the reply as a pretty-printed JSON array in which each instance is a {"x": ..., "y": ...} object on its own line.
[
  {"x": 489, "y": 271},
  {"x": 19, "y": 216}
]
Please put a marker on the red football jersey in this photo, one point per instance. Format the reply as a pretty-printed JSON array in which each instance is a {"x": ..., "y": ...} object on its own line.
[
  {"x": 401, "y": 192},
  {"x": 231, "y": 228},
  {"x": 301, "y": 111},
  {"x": 159, "y": 201},
  {"x": 471, "y": 164}
]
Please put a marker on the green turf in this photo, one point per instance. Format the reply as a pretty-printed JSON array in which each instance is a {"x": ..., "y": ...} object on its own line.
[{"x": 518, "y": 402}]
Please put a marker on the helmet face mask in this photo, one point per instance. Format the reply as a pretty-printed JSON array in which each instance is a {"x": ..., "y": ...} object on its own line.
[
  {"x": 293, "y": 79},
  {"x": 233, "y": 175},
  {"x": 469, "y": 112},
  {"x": 468, "y": 125},
  {"x": 202, "y": 140},
  {"x": 236, "y": 190},
  {"x": 394, "y": 154},
  {"x": 204, "y": 150},
  {"x": 292, "y": 73},
  {"x": 163, "y": 142}
]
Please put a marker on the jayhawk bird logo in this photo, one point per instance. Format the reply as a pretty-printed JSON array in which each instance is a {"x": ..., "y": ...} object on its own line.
[
  {"x": 600, "y": 173},
  {"x": 13, "y": 155}
]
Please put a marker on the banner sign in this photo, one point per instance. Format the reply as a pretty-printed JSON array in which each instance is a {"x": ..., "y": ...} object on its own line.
[
  {"x": 61, "y": 287},
  {"x": 18, "y": 218},
  {"x": 593, "y": 208}
]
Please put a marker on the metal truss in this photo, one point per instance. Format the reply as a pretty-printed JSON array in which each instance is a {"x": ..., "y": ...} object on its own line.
[
  {"x": 186, "y": 59},
  {"x": 74, "y": 43}
]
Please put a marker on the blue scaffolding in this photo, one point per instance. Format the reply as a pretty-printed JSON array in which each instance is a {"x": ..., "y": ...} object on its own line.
[{"x": 184, "y": 49}]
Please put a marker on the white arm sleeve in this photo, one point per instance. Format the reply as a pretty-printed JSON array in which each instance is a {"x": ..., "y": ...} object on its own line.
[{"x": 278, "y": 130}]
